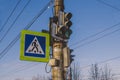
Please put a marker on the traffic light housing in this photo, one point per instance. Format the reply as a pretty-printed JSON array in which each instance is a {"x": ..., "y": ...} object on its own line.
[
  {"x": 65, "y": 24},
  {"x": 52, "y": 20},
  {"x": 67, "y": 17},
  {"x": 71, "y": 58},
  {"x": 67, "y": 57},
  {"x": 68, "y": 24},
  {"x": 71, "y": 55}
]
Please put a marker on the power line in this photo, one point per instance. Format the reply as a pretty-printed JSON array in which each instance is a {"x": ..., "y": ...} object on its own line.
[
  {"x": 100, "y": 37},
  {"x": 10, "y": 45},
  {"x": 111, "y": 59},
  {"x": 49, "y": 4},
  {"x": 9, "y": 16},
  {"x": 106, "y": 29},
  {"x": 24, "y": 67},
  {"x": 103, "y": 2},
  {"x": 27, "y": 28},
  {"x": 14, "y": 21},
  {"x": 102, "y": 30},
  {"x": 97, "y": 38},
  {"x": 109, "y": 34}
]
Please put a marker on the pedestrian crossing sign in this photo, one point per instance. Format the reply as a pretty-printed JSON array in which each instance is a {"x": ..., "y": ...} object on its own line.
[{"x": 34, "y": 46}]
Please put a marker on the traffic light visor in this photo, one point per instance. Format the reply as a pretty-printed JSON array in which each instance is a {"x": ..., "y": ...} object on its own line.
[{"x": 68, "y": 16}]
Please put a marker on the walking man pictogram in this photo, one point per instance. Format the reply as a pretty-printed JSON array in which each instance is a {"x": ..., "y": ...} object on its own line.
[{"x": 35, "y": 47}]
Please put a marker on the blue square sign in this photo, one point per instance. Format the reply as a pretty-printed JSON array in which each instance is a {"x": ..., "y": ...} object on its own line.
[{"x": 34, "y": 46}]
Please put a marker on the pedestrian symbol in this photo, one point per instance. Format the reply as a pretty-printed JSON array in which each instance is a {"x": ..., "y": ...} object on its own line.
[{"x": 35, "y": 47}]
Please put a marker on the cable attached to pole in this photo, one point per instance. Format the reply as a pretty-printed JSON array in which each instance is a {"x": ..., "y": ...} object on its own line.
[{"x": 46, "y": 68}]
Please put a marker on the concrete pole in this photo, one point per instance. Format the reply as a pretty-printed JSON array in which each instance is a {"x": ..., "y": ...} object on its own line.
[
  {"x": 58, "y": 6},
  {"x": 57, "y": 71},
  {"x": 57, "y": 46}
]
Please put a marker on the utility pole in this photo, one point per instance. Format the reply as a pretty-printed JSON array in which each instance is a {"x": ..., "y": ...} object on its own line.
[
  {"x": 57, "y": 46},
  {"x": 59, "y": 33}
]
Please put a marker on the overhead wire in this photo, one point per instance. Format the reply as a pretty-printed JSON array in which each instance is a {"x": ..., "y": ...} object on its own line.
[
  {"x": 14, "y": 41},
  {"x": 101, "y": 36},
  {"x": 84, "y": 39},
  {"x": 97, "y": 38},
  {"x": 91, "y": 36},
  {"x": 114, "y": 58},
  {"x": 102, "y": 30},
  {"x": 111, "y": 59},
  {"x": 2, "y": 27},
  {"x": 24, "y": 67},
  {"x": 15, "y": 21},
  {"x": 10, "y": 45},
  {"x": 107, "y": 4},
  {"x": 104, "y": 36},
  {"x": 103, "y": 2}
]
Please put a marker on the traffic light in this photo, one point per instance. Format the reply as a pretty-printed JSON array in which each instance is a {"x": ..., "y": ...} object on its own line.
[
  {"x": 67, "y": 57},
  {"x": 53, "y": 29},
  {"x": 61, "y": 28},
  {"x": 67, "y": 17},
  {"x": 64, "y": 25},
  {"x": 71, "y": 56},
  {"x": 67, "y": 24}
]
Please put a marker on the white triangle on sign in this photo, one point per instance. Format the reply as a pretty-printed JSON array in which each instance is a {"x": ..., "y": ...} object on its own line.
[{"x": 35, "y": 47}]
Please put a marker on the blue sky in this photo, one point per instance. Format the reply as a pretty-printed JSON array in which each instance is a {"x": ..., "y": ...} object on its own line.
[{"x": 89, "y": 18}]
